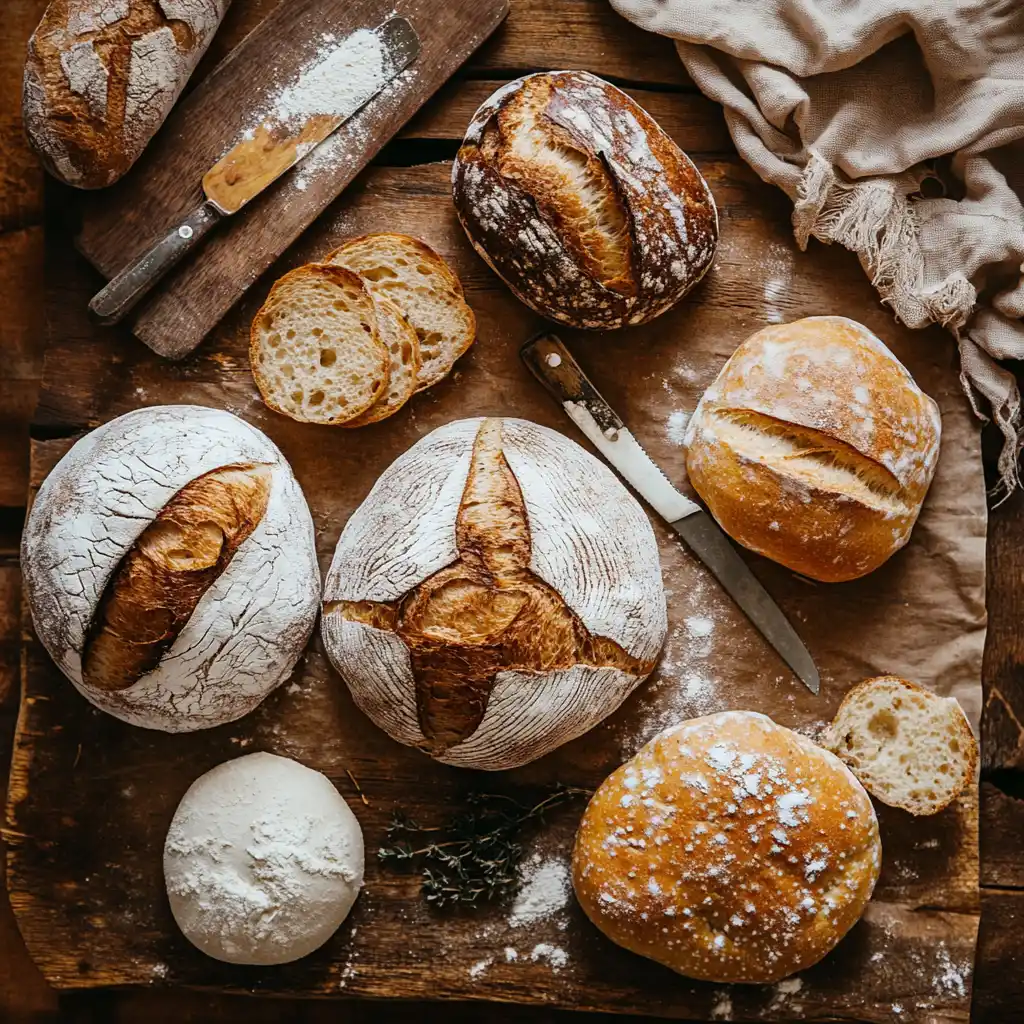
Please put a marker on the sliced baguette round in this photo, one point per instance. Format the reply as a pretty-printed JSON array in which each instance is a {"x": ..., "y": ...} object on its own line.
[
  {"x": 315, "y": 347},
  {"x": 404, "y": 349},
  {"x": 909, "y": 747},
  {"x": 426, "y": 290}
]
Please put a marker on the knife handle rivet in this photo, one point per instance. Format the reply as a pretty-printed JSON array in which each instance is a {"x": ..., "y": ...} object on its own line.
[
  {"x": 611, "y": 433},
  {"x": 553, "y": 359},
  {"x": 185, "y": 231}
]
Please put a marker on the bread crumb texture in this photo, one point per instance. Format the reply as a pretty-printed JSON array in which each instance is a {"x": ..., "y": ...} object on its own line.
[
  {"x": 730, "y": 849},
  {"x": 815, "y": 447},
  {"x": 909, "y": 747},
  {"x": 170, "y": 567},
  {"x": 497, "y": 594},
  {"x": 577, "y": 198}
]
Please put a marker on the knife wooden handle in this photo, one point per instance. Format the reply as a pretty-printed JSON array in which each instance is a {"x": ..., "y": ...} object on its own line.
[
  {"x": 127, "y": 288},
  {"x": 553, "y": 365}
]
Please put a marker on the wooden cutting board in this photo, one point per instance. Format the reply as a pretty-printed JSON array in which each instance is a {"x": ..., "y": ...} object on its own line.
[
  {"x": 118, "y": 223},
  {"x": 91, "y": 798}
]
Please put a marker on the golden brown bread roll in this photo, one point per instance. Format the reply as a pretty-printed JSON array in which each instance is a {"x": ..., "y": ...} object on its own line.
[
  {"x": 815, "y": 447},
  {"x": 730, "y": 849}
]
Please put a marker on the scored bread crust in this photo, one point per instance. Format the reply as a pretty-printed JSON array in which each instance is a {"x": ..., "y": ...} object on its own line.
[
  {"x": 497, "y": 594},
  {"x": 574, "y": 195},
  {"x": 815, "y": 447},
  {"x": 101, "y": 77},
  {"x": 854, "y": 737},
  {"x": 367, "y": 254},
  {"x": 341, "y": 398},
  {"x": 729, "y": 849},
  {"x": 252, "y": 622}
]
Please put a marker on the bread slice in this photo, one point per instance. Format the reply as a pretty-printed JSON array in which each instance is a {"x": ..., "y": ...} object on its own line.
[
  {"x": 909, "y": 747},
  {"x": 404, "y": 349},
  {"x": 315, "y": 347},
  {"x": 424, "y": 288}
]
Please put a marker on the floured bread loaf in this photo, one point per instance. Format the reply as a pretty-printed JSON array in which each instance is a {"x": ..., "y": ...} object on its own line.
[
  {"x": 909, "y": 747},
  {"x": 263, "y": 861},
  {"x": 575, "y": 196},
  {"x": 729, "y": 849},
  {"x": 170, "y": 567},
  {"x": 497, "y": 594},
  {"x": 815, "y": 448}
]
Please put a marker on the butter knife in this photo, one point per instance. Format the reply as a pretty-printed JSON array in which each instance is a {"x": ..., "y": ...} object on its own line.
[
  {"x": 250, "y": 166},
  {"x": 553, "y": 365}
]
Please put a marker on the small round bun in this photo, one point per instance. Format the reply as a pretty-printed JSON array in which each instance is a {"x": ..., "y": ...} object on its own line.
[
  {"x": 730, "y": 849},
  {"x": 575, "y": 196},
  {"x": 815, "y": 447},
  {"x": 263, "y": 861}
]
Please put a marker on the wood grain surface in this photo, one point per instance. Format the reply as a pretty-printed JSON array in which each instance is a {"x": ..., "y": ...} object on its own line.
[
  {"x": 120, "y": 223},
  {"x": 601, "y": 42}
]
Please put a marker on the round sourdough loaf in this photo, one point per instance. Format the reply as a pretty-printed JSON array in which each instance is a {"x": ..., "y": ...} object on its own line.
[
  {"x": 729, "y": 849},
  {"x": 575, "y": 196},
  {"x": 497, "y": 594},
  {"x": 263, "y": 861},
  {"x": 815, "y": 448},
  {"x": 170, "y": 567}
]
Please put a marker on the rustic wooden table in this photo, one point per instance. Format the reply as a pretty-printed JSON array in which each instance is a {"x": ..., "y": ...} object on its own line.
[{"x": 573, "y": 33}]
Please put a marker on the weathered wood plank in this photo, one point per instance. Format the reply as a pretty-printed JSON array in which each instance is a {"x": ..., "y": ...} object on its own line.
[{"x": 999, "y": 982}]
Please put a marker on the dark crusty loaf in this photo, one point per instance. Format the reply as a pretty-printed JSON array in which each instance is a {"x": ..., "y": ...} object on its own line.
[
  {"x": 102, "y": 75},
  {"x": 573, "y": 194}
]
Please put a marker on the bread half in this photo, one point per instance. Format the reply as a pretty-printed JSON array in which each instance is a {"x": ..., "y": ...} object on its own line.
[
  {"x": 404, "y": 349},
  {"x": 315, "y": 347},
  {"x": 426, "y": 290},
  {"x": 909, "y": 747}
]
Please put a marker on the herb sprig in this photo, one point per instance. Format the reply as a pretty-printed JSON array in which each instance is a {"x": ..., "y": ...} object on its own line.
[{"x": 474, "y": 858}]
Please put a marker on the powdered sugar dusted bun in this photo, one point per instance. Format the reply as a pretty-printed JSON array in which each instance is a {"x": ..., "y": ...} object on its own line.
[
  {"x": 170, "y": 567},
  {"x": 815, "y": 447},
  {"x": 263, "y": 861},
  {"x": 577, "y": 198},
  {"x": 497, "y": 594},
  {"x": 729, "y": 849}
]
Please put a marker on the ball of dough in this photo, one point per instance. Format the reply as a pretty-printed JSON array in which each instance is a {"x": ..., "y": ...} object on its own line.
[
  {"x": 730, "y": 849},
  {"x": 497, "y": 594},
  {"x": 263, "y": 861}
]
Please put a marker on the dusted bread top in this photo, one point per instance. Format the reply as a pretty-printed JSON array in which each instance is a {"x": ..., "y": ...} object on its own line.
[{"x": 729, "y": 849}]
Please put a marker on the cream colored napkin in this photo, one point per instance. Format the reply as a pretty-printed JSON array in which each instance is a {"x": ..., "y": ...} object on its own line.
[{"x": 843, "y": 104}]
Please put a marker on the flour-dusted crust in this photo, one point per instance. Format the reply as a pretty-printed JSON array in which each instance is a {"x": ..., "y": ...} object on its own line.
[
  {"x": 815, "y": 447},
  {"x": 247, "y": 630},
  {"x": 102, "y": 75},
  {"x": 577, "y": 198},
  {"x": 498, "y": 593},
  {"x": 730, "y": 849},
  {"x": 263, "y": 861}
]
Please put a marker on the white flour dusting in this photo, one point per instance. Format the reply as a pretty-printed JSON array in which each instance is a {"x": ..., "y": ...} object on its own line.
[
  {"x": 553, "y": 955},
  {"x": 675, "y": 428},
  {"x": 722, "y": 1010},
  {"x": 544, "y": 891},
  {"x": 480, "y": 967}
]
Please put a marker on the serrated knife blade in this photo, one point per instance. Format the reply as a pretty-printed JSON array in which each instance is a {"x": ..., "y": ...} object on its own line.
[{"x": 553, "y": 365}]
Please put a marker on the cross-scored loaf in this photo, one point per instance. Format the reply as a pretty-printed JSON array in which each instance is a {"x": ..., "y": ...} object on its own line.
[
  {"x": 170, "y": 567},
  {"x": 815, "y": 447},
  {"x": 497, "y": 594},
  {"x": 730, "y": 849},
  {"x": 576, "y": 197}
]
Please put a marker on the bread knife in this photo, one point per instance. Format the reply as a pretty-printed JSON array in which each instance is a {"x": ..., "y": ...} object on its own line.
[
  {"x": 553, "y": 365},
  {"x": 249, "y": 167}
]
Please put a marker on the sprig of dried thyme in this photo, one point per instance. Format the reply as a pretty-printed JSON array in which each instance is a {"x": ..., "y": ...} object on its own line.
[{"x": 474, "y": 858}]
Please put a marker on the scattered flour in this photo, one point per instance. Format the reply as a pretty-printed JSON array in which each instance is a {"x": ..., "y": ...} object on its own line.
[
  {"x": 722, "y": 1010},
  {"x": 553, "y": 955},
  {"x": 699, "y": 626},
  {"x": 544, "y": 890},
  {"x": 480, "y": 967},
  {"x": 675, "y": 428},
  {"x": 775, "y": 289},
  {"x": 951, "y": 977}
]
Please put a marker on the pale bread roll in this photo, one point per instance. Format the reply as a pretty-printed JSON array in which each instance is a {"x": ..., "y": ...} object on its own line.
[
  {"x": 815, "y": 447},
  {"x": 730, "y": 849}
]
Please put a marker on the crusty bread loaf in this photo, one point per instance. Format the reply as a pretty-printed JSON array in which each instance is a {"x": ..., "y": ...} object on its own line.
[
  {"x": 730, "y": 849},
  {"x": 102, "y": 75},
  {"x": 315, "y": 346},
  {"x": 424, "y": 288},
  {"x": 908, "y": 746},
  {"x": 403, "y": 347},
  {"x": 815, "y": 447},
  {"x": 575, "y": 196},
  {"x": 170, "y": 567},
  {"x": 497, "y": 594}
]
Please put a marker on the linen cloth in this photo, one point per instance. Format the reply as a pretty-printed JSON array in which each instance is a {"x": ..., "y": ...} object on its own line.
[{"x": 846, "y": 105}]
